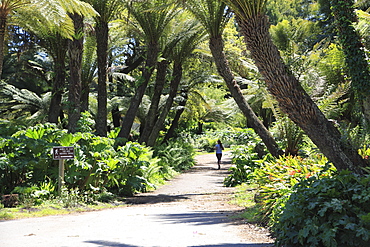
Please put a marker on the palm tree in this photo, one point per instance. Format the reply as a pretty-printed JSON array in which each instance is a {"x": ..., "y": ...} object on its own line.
[
  {"x": 290, "y": 95},
  {"x": 50, "y": 10},
  {"x": 191, "y": 35},
  {"x": 189, "y": 92},
  {"x": 107, "y": 10},
  {"x": 214, "y": 15},
  {"x": 88, "y": 72},
  {"x": 153, "y": 24},
  {"x": 75, "y": 52},
  {"x": 55, "y": 39}
]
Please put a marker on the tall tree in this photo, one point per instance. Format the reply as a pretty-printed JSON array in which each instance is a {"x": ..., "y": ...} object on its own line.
[
  {"x": 214, "y": 15},
  {"x": 51, "y": 11},
  {"x": 55, "y": 40},
  {"x": 75, "y": 52},
  {"x": 191, "y": 35},
  {"x": 290, "y": 95},
  {"x": 107, "y": 9},
  {"x": 153, "y": 24},
  {"x": 356, "y": 60}
]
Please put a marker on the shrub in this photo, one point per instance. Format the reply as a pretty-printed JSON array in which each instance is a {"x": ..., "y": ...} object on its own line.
[
  {"x": 245, "y": 162},
  {"x": 331, "y": 211},
  {"x": 175, "y": 155},
  {"x": 277, "y": 177}
]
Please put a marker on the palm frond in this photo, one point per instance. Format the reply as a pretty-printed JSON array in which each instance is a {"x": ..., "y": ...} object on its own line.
[
  {"x": 17, "y": 103},
  {"x": 247, "y": 9},
  {"x": 213, "y": 14},
  {"x": 330, "y": 103}
]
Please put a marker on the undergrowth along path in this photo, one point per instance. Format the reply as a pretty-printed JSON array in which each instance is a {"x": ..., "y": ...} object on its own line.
[{"x": 191, "y": 210}]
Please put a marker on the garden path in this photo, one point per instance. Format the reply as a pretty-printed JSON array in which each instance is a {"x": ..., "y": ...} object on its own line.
[{"x": 191, "y": 210}]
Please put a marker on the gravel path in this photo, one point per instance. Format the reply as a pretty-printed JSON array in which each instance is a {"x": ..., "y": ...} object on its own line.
[{"x": 191, "y": 210}]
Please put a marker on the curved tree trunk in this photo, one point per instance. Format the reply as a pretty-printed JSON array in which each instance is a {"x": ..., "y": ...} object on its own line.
[
  {"x": 153, "y": 109},
  {"x": 292, "y": 98},
  {"x": 75, "y": 66},
  {"x": 136, "y": 100},
  {"x": 177, "y": 75},
  {"x": 102, "y": 30},
  {"x": 216, "y": 45}
]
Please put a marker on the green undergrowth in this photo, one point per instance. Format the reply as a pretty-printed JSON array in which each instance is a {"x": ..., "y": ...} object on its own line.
[{"x": 244, "y": 197}]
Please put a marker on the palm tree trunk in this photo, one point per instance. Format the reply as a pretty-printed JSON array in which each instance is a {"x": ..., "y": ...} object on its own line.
[
  {"x": 55, "y": 108},
  {"x": 136, "y": 100},
  {"x": 75, "y": 67},
  {"x": 175, "y": 122},
  {"x": 175, "y": 82},
  {"x": 153, "y": 109},
  {"x": 3, "y": 21},
  {"x": 102, "y": 54},
  {"x": 292, "y": 98},
  {"x": 216, "y": 45}
]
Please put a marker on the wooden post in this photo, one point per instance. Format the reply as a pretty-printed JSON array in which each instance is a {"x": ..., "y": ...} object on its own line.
[
  {"x": 61, "y": 176},
  {"x": 61, "y": 154}
]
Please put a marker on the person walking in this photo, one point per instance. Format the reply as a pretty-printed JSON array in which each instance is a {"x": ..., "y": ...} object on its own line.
[{"x": 219, "y": 147}]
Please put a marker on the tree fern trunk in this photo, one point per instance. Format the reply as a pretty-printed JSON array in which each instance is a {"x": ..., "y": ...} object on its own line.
[
  {"x": 60, "y": 51},
  {"x": 153, "y": 109},
  {"x": 75, "y": 67},
  {"x": 292, "y": 98},
  {"x": 175, "y": 122},
  {"x": 102, "y": 54},
  {"x": 353, "y": 48},
  {"x": 216, "y": 45},
  {"x": 2, "y": 41},
  {"x": 175, "y": 82},
  {"x": 136, "y": 100}
]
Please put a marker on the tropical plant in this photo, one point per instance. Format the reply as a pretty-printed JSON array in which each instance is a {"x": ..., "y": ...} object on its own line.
[
  {"x": 281, "y": 83},
  {"x": 245, "y": 161},
  {"x": 22, "y": 104},
  {"x": 329, "y": 211},
  {"x": 179, "y": 155},
  {"x": 214, "y": 15},
  {"x": 107, "y": 10},
  {"x": 358, "y": 68},
  {"x": 191, "y": 35},
  {"x": 277, "y": 177},
  {"x": 152, "y": 24},
  {"x": 49, "y": 13}
]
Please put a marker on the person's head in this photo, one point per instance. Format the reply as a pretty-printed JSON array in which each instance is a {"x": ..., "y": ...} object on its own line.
[{"x": 218, "y": 141}]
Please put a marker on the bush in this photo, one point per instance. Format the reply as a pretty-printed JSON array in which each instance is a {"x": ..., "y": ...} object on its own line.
[
  {"x": 245, "y": 160},
  {"x": 175, "y": 156},
  {"x": 330, "y": 212},
  {"x": 26, "y": 161}
]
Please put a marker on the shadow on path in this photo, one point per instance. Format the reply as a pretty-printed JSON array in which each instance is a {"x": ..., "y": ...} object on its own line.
[
  {"x": 116, "y": 244},
  {"x": 163, "y": 198},
  {"x": 197, "y": 218}
]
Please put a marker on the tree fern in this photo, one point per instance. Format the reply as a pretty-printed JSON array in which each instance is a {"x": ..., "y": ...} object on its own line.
[{"x": 22, "y": 102}]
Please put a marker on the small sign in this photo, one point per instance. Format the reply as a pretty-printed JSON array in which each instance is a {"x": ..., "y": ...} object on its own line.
[{"x": 63, "y": 153}]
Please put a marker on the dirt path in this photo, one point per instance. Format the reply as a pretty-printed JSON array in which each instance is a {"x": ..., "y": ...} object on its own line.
[{"x": 191, "y": 210}]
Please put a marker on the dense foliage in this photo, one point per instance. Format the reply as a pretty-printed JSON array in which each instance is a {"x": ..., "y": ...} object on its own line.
[
  {"x": 331, "y": 211},
  {"x": 303, "y": 199},
  {"x": 98, "y": 166}
]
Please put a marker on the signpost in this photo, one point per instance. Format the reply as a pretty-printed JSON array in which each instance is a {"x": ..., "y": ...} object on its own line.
[{"x": 61, "y": 154}]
